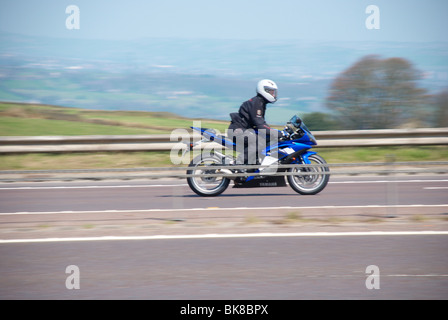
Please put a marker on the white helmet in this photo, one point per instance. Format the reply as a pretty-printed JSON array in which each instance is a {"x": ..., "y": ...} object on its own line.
[{"x": 268, "y": 89}]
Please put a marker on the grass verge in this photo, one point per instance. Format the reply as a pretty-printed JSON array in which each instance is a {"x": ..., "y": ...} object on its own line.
[
  {"x": 44, "y": 161},
  {"x": 41, "y": 120}
]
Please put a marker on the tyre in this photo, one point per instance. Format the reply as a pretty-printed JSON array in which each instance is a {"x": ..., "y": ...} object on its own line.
[
  {"x": 203, "y": 185},
  {"x": 311, "y": 183}
]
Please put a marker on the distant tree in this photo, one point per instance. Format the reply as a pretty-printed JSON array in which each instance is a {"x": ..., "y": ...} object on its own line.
[
  {"x": 441, "y": 109},
  {"x": 376, "y": 93},
  {"x": 318, "y": 121}
]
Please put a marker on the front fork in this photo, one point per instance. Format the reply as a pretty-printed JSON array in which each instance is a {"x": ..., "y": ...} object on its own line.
[{"x": 304, "y": 157}]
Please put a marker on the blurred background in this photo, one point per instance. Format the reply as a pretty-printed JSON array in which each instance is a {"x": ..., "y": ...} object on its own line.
[{"x": 202, "y": 58}]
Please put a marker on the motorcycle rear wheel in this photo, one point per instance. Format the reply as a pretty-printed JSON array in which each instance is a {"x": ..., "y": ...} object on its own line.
[
  {"x": 310, "y": 184},
  {"x": 206, "y": 186}
]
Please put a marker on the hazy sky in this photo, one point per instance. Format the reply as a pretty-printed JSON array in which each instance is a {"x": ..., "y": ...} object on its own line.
[{"x": 400, "y": 20}]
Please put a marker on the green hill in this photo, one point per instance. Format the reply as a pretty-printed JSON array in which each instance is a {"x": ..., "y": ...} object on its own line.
[{"x": 42, "y": 120}]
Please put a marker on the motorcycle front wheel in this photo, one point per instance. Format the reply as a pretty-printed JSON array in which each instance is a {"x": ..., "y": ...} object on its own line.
[
  {"x": 203, "y": 185},
  {"x": 311, "y": 180}
]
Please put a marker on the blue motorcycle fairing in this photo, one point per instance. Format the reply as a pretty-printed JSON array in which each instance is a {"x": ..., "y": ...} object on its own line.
[
  {"x": 212, "y": 136},
  {"x": 285, "y": 148},
  {"x": 304, "y": 157},
  {"x": 296, "y": 145}
]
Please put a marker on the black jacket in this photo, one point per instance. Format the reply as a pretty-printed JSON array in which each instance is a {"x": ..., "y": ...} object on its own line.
[{"x": 251, "y": 115}]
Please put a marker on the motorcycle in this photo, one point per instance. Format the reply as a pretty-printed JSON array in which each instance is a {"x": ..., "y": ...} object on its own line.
[{"x": 307, "y": 173}]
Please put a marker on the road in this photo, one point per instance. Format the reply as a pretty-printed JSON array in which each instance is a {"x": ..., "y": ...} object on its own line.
[
  {"x": 267, "y": 243},
  {"x": 154, "y": 203},
  {"x": 119, "y": 195},
  {"x": 410, "y": 267}
]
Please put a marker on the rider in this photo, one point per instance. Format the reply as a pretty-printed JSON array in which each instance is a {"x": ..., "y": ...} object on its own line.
[{"x": 248, "y": 128}]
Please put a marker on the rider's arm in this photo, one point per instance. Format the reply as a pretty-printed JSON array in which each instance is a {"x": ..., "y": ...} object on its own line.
[
  {"x": 257, "y": 117},
  {"x": 260, "y": 123}
]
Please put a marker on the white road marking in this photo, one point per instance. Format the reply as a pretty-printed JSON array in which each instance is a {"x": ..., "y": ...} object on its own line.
[
  {"x": 184, "y": 185},
  {"x": 243, "y": 235},
  {"x": 435, "y": 188},
  {"x": 95, "y": 187},
  {"x": 385, "y": 181},
  {"x": 222, "y": 209},
  {"x": 416, "y": 275}
]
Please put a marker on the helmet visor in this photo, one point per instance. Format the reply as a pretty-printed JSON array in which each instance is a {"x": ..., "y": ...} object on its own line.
[{"x": 271, "y": 91}]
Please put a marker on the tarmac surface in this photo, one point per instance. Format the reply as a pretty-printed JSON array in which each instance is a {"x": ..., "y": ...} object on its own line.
[{"x": 159, "y": 240}]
